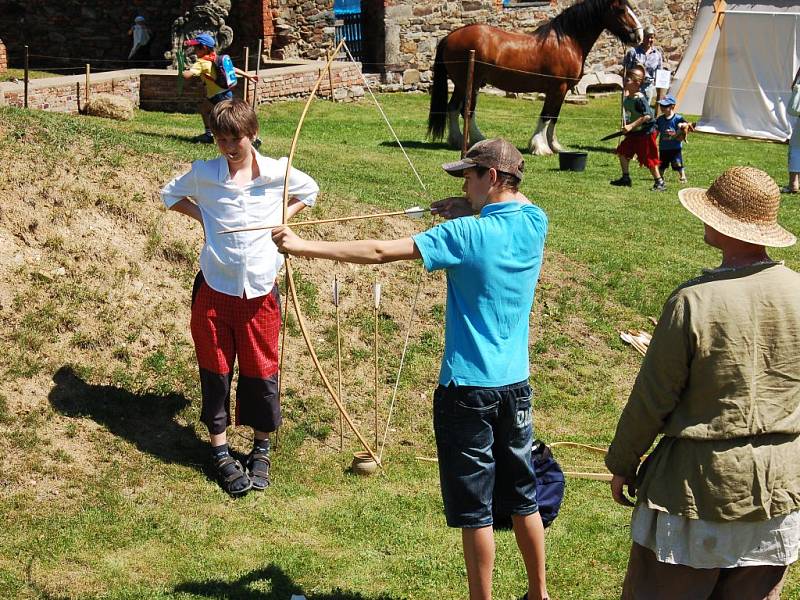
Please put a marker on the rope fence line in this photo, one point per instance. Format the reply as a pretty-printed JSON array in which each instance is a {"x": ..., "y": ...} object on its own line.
[{"x": 345, "y": 59}]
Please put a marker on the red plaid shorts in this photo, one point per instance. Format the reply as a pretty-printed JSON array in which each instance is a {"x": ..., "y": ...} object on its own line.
[{"x": 644, "y": 147}]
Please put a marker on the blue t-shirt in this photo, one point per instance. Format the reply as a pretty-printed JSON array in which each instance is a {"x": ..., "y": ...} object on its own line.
[
  {"x": 668, "y": 132},
  {"x": 492, "y": 266}
]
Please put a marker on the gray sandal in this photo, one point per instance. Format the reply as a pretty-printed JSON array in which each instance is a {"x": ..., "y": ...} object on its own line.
[{"x": 232, "y": 476}]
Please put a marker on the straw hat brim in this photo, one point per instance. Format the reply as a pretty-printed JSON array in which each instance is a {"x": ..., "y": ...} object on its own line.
[{"x": 697, "y": 202}]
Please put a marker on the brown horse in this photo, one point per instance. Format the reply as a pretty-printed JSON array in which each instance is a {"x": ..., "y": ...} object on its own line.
[{"x": 550, "y": 60}]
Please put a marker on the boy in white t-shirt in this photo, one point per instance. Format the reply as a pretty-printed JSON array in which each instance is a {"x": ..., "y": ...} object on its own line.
[{"x": 235, "y": 300}]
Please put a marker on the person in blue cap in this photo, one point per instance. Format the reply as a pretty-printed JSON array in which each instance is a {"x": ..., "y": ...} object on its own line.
[
  {"x": 204, "y": 45},
  {"x": 672, "y": 129}
]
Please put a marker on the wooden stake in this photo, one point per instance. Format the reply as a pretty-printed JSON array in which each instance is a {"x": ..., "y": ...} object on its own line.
[
  {"x": 338, "y": 358},
  {"x": 468, "y": 102},
  {"x": 258, "y": 68},
  {"x": 246, "y": 92},
  {"x": 26, "y": 79},
  {"x": 376, "y": 292},
  {"x": 88, "y": 81},
  {"x": 330, "y": 77},
  {"x": 719, "y": 16}
]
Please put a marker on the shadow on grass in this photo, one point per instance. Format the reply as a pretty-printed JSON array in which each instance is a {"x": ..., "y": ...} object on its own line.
[
  {"x": 145, "y": 420},
  {"x": 272, "y": 577},
  {"x": 189, "y": 139},
  {"x": 601, "y": 149},
  {"x": 418, "y": 144}
]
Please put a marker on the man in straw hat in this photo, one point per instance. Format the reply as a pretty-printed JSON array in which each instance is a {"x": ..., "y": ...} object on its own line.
[
  {"x": 482, "y": 406},
  {"x": 717, "y": 501}
]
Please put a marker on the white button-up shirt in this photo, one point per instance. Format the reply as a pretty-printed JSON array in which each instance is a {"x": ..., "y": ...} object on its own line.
[{"x": 245, "y": 263}]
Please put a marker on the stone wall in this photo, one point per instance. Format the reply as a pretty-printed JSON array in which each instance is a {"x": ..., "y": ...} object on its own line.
[
  {"x": 97, "y": 31},
  {"x": 414, "y": 28},
  {"x": 3, "y": 57},
  {"x": 67, "y": 94},
  {"x": 303, "y": 28},
  {"x": 157, "y": 89}
]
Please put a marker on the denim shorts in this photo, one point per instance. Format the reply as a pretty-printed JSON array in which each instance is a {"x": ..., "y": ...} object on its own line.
[
  {"x": 223, "y": 95},
  {"x": 483, "y": 440}
]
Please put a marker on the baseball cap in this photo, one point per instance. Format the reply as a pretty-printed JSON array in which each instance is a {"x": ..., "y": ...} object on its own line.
[
  {"x": 491, "y": 154},
  {"x": 202, "y": 39},
  {"x": 668, "y": 100},
  {"x": 139, "y": 19}
]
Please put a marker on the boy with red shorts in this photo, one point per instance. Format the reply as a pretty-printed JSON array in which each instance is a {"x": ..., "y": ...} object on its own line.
[
  {"x": 235, "y": 303},
  {"x": 640, "y": 132}
]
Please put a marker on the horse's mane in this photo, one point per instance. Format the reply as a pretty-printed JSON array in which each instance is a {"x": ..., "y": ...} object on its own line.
[{"x": 581, "y": 16}]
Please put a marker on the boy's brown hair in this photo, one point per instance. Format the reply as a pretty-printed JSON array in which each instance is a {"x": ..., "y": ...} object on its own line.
[
  {"x": 233, "y": 117},
  {"x": 636, "y": 72}
]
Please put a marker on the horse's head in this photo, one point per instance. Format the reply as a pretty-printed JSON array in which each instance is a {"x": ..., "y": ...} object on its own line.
[{"x": 621, "y": 20}]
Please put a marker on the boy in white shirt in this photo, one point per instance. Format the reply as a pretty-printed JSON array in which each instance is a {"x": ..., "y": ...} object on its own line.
[{"x": 235, "y": 300}]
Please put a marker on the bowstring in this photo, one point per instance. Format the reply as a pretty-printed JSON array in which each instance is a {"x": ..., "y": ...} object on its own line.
[{"x": 419, "y": 275}]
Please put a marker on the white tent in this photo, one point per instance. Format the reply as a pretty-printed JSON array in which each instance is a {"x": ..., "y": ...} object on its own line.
[{"x": 738, "y": 68}]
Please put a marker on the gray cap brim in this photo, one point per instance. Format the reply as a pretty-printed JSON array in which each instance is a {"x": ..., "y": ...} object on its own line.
[{"x": 456, "y": 169}]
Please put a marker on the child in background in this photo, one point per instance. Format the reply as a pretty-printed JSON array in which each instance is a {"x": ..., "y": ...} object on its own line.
[
  {"x": 672, "y": 129},
  {"x": 236, "y": 314},
  {"x": 204, "y": 67},
  {"x": 640, "y": 132}
]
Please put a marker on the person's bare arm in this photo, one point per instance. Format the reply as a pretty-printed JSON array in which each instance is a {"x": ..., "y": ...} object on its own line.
[
  {"x": 295, "y": 206},
  {"x": 186, "y": 207},
  {"x": 357, "y": 251},
  {"x": 241, "y": 73}
]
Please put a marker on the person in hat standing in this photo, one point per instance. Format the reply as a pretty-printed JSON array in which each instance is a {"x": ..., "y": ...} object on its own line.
[
  {"x": 672, "y": 128},
  {"x": 482, "y": 406},
  {"x": 647, "y": 55},
  {"x": 717, "y": 511},
  {"x": 205, "y": 68}
]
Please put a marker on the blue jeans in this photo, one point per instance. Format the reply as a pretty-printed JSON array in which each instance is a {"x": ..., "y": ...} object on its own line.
[{"x": 483, "y": 440}]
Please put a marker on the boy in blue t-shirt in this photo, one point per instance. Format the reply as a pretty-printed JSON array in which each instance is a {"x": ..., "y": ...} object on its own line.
[
  {"x": 672, "y": 129},
  {"x": 482, "y": 406}
]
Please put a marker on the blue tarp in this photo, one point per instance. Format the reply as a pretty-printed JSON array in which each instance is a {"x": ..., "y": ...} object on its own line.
[{"x": 346, "y": 7}]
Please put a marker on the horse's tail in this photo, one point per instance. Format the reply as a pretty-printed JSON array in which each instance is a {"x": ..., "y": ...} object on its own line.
[{"x": 437, "y": 115}]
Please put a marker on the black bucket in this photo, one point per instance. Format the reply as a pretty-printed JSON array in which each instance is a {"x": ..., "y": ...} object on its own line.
[{"x": 572, "y": 161}]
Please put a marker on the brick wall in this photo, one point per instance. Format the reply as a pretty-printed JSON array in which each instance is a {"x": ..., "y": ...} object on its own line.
[
  {"x": 155, "y": 89},
  {"x": 67, "y": 94},
  {"x": 3, "y": 57}
]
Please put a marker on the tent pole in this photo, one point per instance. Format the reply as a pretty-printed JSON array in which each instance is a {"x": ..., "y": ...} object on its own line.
[{"x": 719, "y": 10}]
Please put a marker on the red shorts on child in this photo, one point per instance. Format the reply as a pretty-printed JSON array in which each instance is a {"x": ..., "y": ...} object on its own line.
[{"x": 644, "y": 147}]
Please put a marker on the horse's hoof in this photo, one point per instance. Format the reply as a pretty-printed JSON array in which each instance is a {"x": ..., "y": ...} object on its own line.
[{"x": 540, "y": 150}]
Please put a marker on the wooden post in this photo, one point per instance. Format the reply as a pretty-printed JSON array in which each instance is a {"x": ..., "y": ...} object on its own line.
[
  {"x": 377, "y": 295},
  {"x": 258, "y": 68},
  {"x": 246, "y": 91},
  {"x": 26, "y": 79},
  {"x": 719, "y": 16},
  {"x": 88, "y": 82},
  {"x": 468, "y": 102},
  {"x": 338, "y": 358},
  {"x": 330, "y": 76}
]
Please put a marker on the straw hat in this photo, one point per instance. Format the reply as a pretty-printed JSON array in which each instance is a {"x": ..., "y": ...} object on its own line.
[{"x": 743, "y": 204}]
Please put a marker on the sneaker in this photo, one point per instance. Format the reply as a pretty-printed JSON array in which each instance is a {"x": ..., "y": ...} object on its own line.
[
  {"x": 660, "y": 186},
  {"x": 625, "y": 181},
  {"x": 788, "y": 190},
  {"x": 204, "y": 138},
  {"x": 257, "y": 143}
]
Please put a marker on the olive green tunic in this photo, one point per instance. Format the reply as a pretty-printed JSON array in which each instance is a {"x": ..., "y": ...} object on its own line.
[{"x": 721, "y": 382}]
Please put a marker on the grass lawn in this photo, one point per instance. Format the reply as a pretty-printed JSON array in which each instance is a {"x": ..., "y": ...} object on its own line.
[
  {"x": 104, "y": 486},
  {"x": 19, "y": 74}
]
